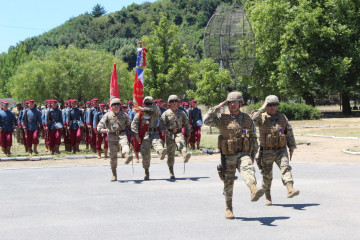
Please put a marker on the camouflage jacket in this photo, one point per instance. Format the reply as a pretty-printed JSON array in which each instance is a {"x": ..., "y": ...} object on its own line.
[
  {"x": 115, "y": 122},
  {"x": 151, "y": 114},
  {"x": 258, "y": 115},
  {"x": 213, "y": 118},
  {"x": 175, "y": 120}
]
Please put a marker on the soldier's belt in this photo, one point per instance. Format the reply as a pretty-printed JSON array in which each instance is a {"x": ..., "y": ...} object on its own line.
[
  {"x": 273, "y": 148},
  {"x": 176, "y": 130},
  {"x": 117, "y": 132}
]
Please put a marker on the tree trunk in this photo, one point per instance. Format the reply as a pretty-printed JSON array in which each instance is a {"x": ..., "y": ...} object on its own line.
[
  {"x": 346, "y": 109},
  {"x": 309, "y": 99}
]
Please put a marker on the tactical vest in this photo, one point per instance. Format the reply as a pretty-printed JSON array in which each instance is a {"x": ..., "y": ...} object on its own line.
[
  {"x": 234, "y": 137},
  {"x": 272, "y": 137}
]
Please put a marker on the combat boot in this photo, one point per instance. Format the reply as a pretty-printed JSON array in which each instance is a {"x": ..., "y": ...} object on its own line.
[
  {"x": 114, "y": 176},
  {"x": 106, "y": 153},
  {"x": 128, "y": 158},
  {"x": 229, "y": 210},
  {"x": 186, "y": 156},
  {"x": 99, "y": 154},
  {"x": 172, "y": 175},
  {"x": 147, "y": 174},
  {"x": 268, "y": 198},
  {"x": 35, "y": 149},
  {"x": 162, "y": 153},
  {"x": 255, "y": 192},
  {"x": 292, "y": 192}
]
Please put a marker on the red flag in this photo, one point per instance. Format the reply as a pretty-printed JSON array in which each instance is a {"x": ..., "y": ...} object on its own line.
[{"x": 114, "y": 87}]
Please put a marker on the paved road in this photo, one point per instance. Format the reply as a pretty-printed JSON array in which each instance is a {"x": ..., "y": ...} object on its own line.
[{"x": 81, "y": 203}]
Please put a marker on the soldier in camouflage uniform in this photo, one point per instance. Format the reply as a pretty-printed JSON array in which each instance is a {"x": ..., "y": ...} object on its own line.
[
  {"x": 114, "y": 124},
  {"x": 275, "y": 134},
  {"x": 238, "y": 145},
  {"x": 171, "y": 122},
  {"x": 148, "y": 135}
]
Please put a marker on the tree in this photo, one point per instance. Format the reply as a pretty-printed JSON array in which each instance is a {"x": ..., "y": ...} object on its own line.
[
  {"x": 169, "y": 69},
  {"x": 98, "y": 11},
  {"x": 69, "y": 73},
  {"x": 127, "y": 54}
]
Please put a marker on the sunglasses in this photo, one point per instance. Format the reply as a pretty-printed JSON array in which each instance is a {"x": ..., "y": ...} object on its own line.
[
  {"x": 173, "y": 101},
  {"x": 273, "y": 105},
  {"x": 115, "y": 104}
]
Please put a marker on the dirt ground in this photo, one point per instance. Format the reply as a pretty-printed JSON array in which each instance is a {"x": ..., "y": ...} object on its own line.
[{"x": 320, "y": 150}]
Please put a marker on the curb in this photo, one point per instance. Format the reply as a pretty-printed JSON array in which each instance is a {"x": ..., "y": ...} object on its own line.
[
  {"x": 346, "y": 150},
  {"x": 325, "y": 136}
]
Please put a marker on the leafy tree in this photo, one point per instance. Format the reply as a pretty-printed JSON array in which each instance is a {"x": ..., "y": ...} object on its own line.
[
  {"x": 69, "y": 73},
  {"x": 127, "y": 54},
  {"x": 98, "y": 11}
]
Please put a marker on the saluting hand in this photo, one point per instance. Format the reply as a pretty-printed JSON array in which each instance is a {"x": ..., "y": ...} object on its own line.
[{"x": 222, "y": 104}]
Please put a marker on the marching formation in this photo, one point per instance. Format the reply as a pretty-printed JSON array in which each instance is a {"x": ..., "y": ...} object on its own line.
[{"x": 165, "y": 129}]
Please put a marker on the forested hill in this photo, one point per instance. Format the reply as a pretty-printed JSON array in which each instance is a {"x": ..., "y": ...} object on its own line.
[{"x": 113, "y": 31}]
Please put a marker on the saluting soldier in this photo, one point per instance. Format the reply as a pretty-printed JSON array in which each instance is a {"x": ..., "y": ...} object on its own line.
[
  {"x": 75, "y": 122},
  {"x": 7, "y": 123},
  {"x": 115, "y": 123},
  {"x": 275, "y": 134},
  {"x": 145, "y": 129},
  {"x": 53, "y": 123},
  {"x": 100, "y": 137},
  {"x": 238, "y": 145},
  {"x": 31, "y": 121},
  {"x": 171, "y": 122}
]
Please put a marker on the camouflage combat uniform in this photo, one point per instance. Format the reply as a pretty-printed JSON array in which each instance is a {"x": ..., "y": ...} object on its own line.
[{"x": 117, "y": 124}]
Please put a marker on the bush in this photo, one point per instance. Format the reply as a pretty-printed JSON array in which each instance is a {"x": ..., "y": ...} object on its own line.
[{"x": 293, "y": 111}]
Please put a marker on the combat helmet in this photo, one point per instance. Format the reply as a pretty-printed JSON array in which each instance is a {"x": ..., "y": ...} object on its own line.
[
  {"x": 114, "y": 101},
  {"x": 235, "y": 97},
  {"x": 272, "y": 99},
  {"x": 173, "y": 98},
  {"x": 148, "y": 100}
]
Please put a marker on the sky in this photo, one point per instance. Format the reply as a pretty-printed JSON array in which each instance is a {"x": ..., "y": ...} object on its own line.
[{"x": 23, "y": 19}]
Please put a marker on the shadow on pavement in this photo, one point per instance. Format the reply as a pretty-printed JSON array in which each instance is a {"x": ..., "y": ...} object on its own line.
[
  {"x": 297, "y": 206},
  {"x": 268, "y": 221},
  {"x": 163, "y": 179}
]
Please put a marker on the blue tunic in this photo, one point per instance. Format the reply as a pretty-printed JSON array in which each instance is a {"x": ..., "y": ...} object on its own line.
[
  {"x": 31, "y": 119},
  {"x": 75, "y": 118},
  {"x": 52, "y": 117},
  {"x": 7, "y": 120},
  {"x": 195, "y": 115},
  {"x": 131, "y": 114},
  {"x": 97, "y": 118}
]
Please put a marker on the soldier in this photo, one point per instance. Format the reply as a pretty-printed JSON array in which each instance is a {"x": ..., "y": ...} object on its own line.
[
  {"x": 89, "y": 121},
  {"x": 30, "y": 123},
  {"x": 161, "y": 106},
  {"x": 131, "y": 111},
  {"x": 171, "y": 122},
  {"x": 65, "y": 115},
  {"x": 75, "y": 122},
  {"x": 275, "y": 134},
  {"x": 196, "y": 123},
  {"x": 88, "y": 131},
  {"x": 147, "y": 134},
  {"x": 53, "y": 125},
  {"x": 7, "y": 123},
  {"x": 238, "y": 145},
  {"x": 115, "y": 123},
  {"x": 21, "y": 115},
  {"x": 18, "y": 131},
  {"x": 44, "y": 113},
  {"x": 99, "y": 135}
]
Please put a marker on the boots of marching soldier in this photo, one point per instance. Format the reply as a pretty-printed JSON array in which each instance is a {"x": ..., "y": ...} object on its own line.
[
  {"x": 137, "y": 157},
  {"x": 57, "y": 149},
  {"x": 147, "y": 174},
  {"x": 171, "y": 170},
  {"x": 292, "y": 192},
  {"x": 198, "y": 145},
  {"x": 8, "y": 151},
  {"x": 114, "y": 176},
  {"x": 98, "y": 154},
  {"x": 186, "y": 156},
  {"x": 35, "y": 149},
  {"x": 256, "y": 193},
  {"x": 106, "y": 153},
  {"x": 162, "y": 153},
  {"x": 268, "y": 198},
  {"x": 229, "y": 210},
  {"x": 128, "y": 157}
]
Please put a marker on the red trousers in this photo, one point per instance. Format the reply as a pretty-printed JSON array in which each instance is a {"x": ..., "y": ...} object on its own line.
[
  {"x": 75, "y": 136},
  {"x": 32, "y": 137},
  {"x": 6, "y": 139},
  {"x": 100, "y": 139},
  {"x": 54, "y": 137},
  {"x": 195, "y": 134}
]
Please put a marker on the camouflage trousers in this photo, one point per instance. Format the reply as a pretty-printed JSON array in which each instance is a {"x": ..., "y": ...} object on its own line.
[
  {"x": 242, "y": 162},
  {"x": 281, "y": 158},
  {"x": 174, "y": 141},
  {"x": 153, "y": 139},
  {"x": 114, "y": 142}
]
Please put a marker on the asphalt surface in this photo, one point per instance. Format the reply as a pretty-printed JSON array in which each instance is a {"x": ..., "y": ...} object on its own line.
[{"x": 82, "y": 203}]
